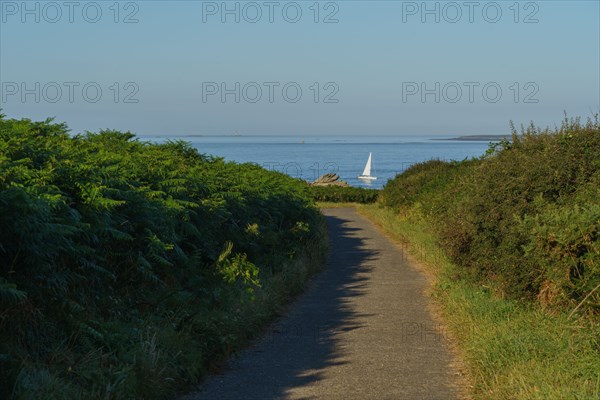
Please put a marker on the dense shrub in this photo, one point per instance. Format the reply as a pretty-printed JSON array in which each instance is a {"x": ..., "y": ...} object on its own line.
[
  {"x": 525, "y": 217},
  {"x": 427, "y": 185},
  {"x": 340, "y": 194},
  {"x": 125, "y": 267}
]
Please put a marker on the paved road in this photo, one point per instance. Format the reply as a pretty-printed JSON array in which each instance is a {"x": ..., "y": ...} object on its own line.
[{"x": 361, "y": 331}]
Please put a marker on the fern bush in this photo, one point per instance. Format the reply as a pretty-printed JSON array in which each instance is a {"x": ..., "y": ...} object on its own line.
[{"x": 121, "y": 260}]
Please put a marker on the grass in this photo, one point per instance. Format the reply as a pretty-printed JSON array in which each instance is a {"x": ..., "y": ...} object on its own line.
[
  {"x": 512, "y": 350},
  {"x": 330, "y": 204}
]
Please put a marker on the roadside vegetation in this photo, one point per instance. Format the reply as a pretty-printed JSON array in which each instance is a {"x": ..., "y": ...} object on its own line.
[
  {"x": 128, "y": 269},
  {"x": 524, "y": 219},
  {"x": 513, "y": 241},
  {"x": 341, "y": 194}
]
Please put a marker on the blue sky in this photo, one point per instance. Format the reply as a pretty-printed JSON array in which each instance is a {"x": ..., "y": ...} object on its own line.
[{"x": 371, "y": 67}]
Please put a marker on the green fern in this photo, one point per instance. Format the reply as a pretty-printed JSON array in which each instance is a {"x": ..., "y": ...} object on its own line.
[{"x": 9, "y": 292}]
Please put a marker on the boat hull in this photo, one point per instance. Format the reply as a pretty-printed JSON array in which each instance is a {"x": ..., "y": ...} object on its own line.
[{"x": 370, "y": 178}]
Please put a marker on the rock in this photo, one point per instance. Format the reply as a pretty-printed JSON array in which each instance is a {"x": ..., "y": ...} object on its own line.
[{"x": 329, "y": 180}]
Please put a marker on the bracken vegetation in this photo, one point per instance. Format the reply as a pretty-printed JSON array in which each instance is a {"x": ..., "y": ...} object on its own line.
[{"x": 128, "y": 268}]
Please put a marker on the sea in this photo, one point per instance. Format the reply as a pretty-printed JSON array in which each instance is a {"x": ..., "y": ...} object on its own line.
[{"x": 309, "y": 157}]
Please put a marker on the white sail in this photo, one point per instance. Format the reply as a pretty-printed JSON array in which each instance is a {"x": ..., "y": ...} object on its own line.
[{"x": 367, "y": 170}]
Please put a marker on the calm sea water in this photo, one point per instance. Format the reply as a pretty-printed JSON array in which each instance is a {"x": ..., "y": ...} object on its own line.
[{"x": 310, "y": 157}]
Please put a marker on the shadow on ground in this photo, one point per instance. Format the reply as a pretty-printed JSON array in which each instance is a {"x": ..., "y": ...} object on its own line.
[{"x": 299, "y": 347}]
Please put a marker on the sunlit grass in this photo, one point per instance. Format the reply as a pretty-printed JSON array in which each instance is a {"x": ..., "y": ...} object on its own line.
[{"x": 512, "y": 350}]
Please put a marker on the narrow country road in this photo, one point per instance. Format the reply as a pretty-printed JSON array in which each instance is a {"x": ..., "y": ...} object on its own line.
[{"x": 361, "y": 331}]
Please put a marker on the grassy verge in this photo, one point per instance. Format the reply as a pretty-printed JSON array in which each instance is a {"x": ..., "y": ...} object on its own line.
[
  {"x": 331, "y": 204},
  {"x": 513, "y": 350}
]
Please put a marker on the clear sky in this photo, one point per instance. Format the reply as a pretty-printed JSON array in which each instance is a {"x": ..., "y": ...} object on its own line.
[{"x": 363, "y": 67}]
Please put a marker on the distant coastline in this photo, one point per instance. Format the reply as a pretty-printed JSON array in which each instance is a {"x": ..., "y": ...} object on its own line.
[{"x": 479, "y": 138}]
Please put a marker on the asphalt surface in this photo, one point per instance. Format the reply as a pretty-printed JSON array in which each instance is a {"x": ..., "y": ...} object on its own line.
[{"x": 362, "y": 330}]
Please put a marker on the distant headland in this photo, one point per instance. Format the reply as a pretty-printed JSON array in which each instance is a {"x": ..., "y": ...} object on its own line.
[{"x": 480, "y": 138}]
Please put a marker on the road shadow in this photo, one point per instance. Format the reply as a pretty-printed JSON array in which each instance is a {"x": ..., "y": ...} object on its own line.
[{"x": 299, "y": 347}]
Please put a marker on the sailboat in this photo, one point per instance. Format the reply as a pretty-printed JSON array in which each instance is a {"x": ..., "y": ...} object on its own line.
[{"x": 367, "y": 171}]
